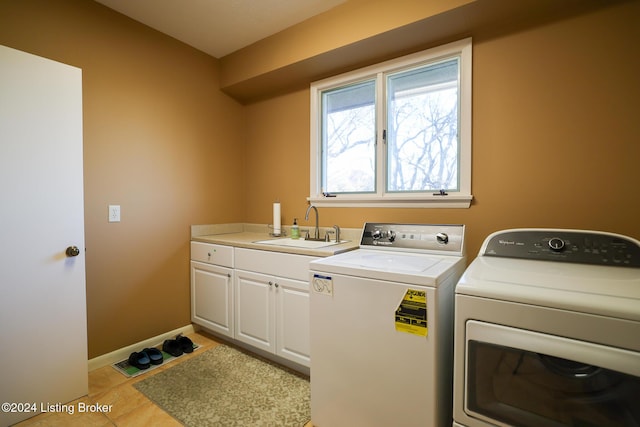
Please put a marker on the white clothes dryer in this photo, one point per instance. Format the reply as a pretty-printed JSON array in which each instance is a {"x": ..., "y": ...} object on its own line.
[
  {"x": 382, "y": 328},
  {"x": 547, "y": 331}
]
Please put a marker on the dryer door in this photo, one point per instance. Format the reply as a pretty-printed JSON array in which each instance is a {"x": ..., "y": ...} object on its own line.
[{"x": 516, "y": 377}]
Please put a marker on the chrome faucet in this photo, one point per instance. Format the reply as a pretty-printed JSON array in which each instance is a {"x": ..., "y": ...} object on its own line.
[
  {"x": 306, "y": 218},
  {"x": 335, "y": 227}
]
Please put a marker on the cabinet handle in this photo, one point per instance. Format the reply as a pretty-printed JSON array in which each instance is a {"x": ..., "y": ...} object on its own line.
[
  {"x": 277, "y": 284},
  {"x": 229, "y": 275},
  {"x": 270, "y": 283}
]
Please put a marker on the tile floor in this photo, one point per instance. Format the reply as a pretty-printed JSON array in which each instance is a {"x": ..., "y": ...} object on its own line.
[{"x": 130, "y": 408}]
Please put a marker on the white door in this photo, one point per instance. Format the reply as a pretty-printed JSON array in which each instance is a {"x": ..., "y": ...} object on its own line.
[{"x": 43, "y": 324}]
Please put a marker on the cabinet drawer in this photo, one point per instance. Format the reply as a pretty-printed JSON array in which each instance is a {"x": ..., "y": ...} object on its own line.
[
  {"x": 279, "y": 264},
  {"x": 212, "y": 254}
]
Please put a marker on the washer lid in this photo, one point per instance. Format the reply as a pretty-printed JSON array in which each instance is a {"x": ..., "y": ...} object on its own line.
[
  {"x": 605, "y": 290},
  {"x": 404, "y": 267}
]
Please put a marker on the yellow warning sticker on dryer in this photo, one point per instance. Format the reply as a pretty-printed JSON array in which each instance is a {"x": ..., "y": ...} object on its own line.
[{"x": 411, "y": 314}]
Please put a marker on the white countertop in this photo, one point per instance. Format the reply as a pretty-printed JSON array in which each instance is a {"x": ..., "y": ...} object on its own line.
[{"x": 243, "y": 235}]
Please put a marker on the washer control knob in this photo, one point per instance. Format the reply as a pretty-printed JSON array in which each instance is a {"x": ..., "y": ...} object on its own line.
[
  {"x": 376, "y": 234},
  {"x": 442, "y": 238},
  {"x": 556, "y": 244},
  {"x": 391, "y": 235}
]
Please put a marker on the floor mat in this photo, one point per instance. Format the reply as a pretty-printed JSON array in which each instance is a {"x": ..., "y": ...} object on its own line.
[{"x": 226, "y": 386}]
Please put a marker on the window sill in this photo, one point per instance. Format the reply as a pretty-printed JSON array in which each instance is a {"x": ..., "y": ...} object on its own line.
[{"x": 348, "y": 201}]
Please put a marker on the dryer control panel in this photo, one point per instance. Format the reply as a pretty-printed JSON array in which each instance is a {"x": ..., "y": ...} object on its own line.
[
  {"x": 576, "y": 246},
  {"x": 433, "y": 238}
]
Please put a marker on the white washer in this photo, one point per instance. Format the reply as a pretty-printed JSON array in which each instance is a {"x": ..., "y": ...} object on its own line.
[
  {"x": 381, "y": 328},
  {"x": 547, "y": 331}
]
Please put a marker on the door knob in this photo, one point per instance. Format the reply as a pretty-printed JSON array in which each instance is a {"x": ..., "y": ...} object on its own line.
[{"x": 72, "y": 251}]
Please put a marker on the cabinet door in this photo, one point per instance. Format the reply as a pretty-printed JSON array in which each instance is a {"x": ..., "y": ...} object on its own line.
[
  {"x": 292, "y": 320},
  {"x": 212, "y": 297},
  {"x": 255, "y": 317}
]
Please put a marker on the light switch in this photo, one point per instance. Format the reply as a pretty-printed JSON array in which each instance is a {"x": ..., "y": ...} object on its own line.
[{"x": 114, "y": 213}]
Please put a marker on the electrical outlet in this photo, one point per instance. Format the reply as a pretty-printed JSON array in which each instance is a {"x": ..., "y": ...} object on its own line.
[{"x": 114, "y": 213}]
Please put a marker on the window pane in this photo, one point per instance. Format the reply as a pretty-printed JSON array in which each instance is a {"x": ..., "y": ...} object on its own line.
[
  {"x": 348, "y": 139},
  {"x": 422, "y": 129}
]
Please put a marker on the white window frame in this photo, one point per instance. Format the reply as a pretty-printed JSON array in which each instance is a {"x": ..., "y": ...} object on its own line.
[{"x": 458, "y": 199}]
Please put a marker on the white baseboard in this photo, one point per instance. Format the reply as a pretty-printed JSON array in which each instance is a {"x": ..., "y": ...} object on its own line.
[{"x": 122, "y": 353}]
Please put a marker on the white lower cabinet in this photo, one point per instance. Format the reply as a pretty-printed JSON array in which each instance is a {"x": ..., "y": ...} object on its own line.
[
  {"x": 212, "y": 297},
  {"x": 272, "y": 302},
  {"x": 260, "y": 298},
  {"x": 293, "y": 341},
  {"x": 272, "y": 314},
  {"x": 255, "y": 315},
  {"x": 212, "y": 287}
]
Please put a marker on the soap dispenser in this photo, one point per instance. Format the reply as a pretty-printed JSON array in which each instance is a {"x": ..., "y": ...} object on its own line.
[{"x": 295, "y": 230}]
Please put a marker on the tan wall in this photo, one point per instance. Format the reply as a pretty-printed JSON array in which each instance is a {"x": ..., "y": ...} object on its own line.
[
  {"x": 160, "y": 140},
  {"x": 318, "y": 44},
  {"x": 555, "y": 135}
]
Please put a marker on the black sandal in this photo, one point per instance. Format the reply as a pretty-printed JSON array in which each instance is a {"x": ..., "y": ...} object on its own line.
[
  {"x": 186, "y": 345},
  {"x": 172, "y": 347},
  {"x": 155, "y": 355},
  {"x": 139, "y": 360}
]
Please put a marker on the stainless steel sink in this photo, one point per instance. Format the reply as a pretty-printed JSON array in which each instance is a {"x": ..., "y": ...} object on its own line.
[{"x": 299, "y": 243}]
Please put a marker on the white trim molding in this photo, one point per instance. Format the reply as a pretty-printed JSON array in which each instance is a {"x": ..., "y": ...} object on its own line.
[{"x": 124, "y": 352}]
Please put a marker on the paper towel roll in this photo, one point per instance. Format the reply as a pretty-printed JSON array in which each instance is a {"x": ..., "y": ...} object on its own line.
[{"x": 276, "y": 219}]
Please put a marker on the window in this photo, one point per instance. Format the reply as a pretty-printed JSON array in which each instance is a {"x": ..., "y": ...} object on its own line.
[{"x": 397, "y": 134}]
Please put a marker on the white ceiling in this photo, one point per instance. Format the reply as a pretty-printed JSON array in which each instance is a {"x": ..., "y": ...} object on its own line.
[{"x": 220, "y": 27}]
